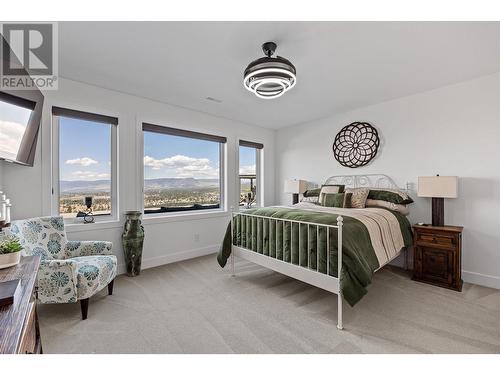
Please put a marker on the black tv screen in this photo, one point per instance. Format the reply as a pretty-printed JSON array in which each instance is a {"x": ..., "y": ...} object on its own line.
[{"x": 20, "y": 117}]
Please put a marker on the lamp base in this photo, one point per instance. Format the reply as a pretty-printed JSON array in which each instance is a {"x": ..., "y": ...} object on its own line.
[{"x": 438, "y": 212}]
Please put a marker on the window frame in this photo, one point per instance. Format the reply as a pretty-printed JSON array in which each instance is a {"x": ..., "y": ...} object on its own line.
[
  {"x": 83, "y": 114},
  {"x": 180, "y": 132},
  {"x": 259, "y": 176}
]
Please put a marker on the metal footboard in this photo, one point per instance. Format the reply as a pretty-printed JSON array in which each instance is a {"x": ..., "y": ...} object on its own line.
[{"x": 304, "y": 272}]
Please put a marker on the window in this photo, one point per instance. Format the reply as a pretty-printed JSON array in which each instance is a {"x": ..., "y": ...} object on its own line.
[
  {"x": 15, "y": 115},
  {"x": 86, "y": 163},
  {"x": 182, "y": 170},
  {"x": 249, "y": 173}
]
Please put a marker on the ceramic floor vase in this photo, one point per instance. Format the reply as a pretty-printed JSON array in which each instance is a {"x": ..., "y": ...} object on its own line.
[{"x": 133, "y": 240}]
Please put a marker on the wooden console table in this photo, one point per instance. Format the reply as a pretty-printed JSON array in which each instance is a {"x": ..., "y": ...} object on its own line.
[{"x": 19, "y": 331}]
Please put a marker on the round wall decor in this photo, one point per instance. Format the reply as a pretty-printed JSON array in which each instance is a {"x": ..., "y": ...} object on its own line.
[{"x": 356, "y": 144}]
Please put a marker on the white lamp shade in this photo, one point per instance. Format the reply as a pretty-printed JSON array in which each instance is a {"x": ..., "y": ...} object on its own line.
[
  {"x": 295, "y": 186},
  {"x": 438, "y": 187}
]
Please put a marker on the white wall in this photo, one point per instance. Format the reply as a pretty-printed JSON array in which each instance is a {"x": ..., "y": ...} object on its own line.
[
  {"x": 454, "y": 130},
  {"x": 168, "y": 239}
]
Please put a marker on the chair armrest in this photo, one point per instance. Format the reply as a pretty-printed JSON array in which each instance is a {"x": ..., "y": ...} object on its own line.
[
  {"x": 85, "y": 248},
  {"x": 56, "y": 281}
]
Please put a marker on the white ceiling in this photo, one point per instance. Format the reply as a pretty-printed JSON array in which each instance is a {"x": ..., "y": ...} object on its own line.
[{"x": 340, "y": 65}]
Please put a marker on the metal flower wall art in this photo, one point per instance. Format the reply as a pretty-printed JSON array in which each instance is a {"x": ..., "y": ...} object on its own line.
[{"x": 356, "y": 144}]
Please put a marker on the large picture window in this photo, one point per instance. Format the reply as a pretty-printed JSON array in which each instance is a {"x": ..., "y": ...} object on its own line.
[
  {"x": 182, "y": 170},
  {"x": 249, "y": 173},
  {"x": 85, "y": 163}
]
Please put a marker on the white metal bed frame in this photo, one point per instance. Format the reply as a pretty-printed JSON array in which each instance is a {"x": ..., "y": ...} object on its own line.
[{"x": 308, "y": 275}]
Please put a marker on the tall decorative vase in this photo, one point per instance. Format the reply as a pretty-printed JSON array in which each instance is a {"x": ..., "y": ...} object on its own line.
[{"x": 133, "y": 240}]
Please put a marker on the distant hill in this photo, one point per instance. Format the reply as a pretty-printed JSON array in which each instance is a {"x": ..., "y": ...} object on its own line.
[
  {"x": 79, "y": 185},
  {"x": 149, "y": 184},
  {"x": 180, "y": 183}
]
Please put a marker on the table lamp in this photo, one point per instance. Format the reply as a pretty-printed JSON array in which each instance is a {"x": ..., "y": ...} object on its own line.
[
  {"x": 295, "y": 187},
  {"x": 438, "y": 187}
]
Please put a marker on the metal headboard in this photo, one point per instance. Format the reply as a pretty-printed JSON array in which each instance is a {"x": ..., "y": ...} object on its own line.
[{"x": 364, "y": 180}]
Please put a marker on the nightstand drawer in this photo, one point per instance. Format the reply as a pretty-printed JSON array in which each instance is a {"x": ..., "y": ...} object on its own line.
[{"x": 440, "y": 239}]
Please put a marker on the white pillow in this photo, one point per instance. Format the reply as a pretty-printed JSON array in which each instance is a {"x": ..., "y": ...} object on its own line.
[{"x": 310, "y": 199}]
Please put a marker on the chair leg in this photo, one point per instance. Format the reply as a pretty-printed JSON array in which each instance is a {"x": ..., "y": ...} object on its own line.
[
  {"x": 110, "y": 287},
  {"x": 84, "y": 304}
]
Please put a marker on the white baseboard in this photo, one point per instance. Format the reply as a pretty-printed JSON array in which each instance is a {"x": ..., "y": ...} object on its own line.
[
  {"x": 469, "y": 277},
  {"x": 481, "y": 279},
  {"x": 172, "y": 258}
]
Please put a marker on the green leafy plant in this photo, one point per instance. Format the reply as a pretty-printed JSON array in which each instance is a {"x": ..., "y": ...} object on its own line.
[{"x": 9, "y": 244}]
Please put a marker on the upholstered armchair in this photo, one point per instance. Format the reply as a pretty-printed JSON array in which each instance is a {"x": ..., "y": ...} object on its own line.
[{"x": 70, "y": 271}]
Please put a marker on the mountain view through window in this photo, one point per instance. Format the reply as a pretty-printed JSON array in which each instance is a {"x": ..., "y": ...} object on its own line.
[
  {"x": 248, "y": 176},
  {"x": 84, "y": 166},
  {"x": 180, "y": 173}
]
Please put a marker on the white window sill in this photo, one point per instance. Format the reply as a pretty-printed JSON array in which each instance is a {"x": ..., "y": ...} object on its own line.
[
  {"x": 182, "y": 216},
  {"x": 97, "y": 225},
  {"x": 150, "y": 219}
]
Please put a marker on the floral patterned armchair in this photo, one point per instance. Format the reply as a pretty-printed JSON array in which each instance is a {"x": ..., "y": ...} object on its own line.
[{"x": 70, "y": 271}]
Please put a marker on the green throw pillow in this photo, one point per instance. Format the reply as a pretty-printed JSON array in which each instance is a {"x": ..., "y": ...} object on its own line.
[
  {"x": 389, "y": 196},
  {"x": 312, "y": 193}
]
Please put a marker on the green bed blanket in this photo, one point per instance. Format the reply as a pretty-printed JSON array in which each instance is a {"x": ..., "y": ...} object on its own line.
[{"x": 268, "y": 237}]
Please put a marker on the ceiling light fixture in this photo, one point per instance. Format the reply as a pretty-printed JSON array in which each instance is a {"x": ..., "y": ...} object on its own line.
[{"x": 269, "y": 77}]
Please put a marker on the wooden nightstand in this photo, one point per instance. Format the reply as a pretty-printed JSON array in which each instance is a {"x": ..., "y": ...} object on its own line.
[{"x": 437, "y": 255}]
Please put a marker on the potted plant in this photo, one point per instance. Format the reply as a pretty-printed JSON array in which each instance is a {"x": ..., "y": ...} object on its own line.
[{"x": 10, "y": 251}]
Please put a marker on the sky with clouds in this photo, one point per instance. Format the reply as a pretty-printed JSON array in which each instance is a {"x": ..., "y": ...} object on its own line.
[
  {"x": 248, "y": 160},
  {"x": 84, "y": 150},
  {"x": 85, "y": 154},
  {"x": 172, "y": 156},
  {"x": 12, "y": 126}
]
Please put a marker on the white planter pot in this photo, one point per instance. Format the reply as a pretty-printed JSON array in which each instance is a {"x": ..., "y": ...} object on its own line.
[{"x": 9, "y": 260}]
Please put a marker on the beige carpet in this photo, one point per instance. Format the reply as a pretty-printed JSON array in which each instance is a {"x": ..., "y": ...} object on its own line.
[{"x": 196, "y": 307}]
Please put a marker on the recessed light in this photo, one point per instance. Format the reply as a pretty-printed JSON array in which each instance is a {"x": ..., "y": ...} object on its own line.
[{"x": 213, "y": 99}]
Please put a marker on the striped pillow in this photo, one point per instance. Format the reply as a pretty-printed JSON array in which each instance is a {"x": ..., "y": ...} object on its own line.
[
  {"x": 330, "y": 189},
  {"x": 340, "y": 200}
]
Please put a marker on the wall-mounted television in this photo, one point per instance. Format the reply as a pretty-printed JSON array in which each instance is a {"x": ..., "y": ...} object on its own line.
[{"x": 20, "y": 117}]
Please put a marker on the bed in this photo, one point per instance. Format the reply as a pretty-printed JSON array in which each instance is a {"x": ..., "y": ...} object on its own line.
[{"x": 336, "y": 249}]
